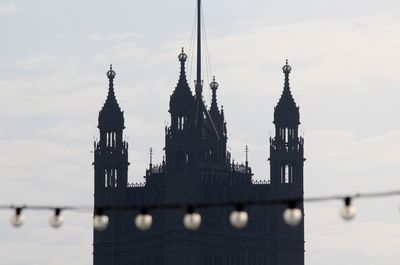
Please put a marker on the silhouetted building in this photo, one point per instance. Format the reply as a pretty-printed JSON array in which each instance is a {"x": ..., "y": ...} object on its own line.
[{"x": 198, "y": 168}]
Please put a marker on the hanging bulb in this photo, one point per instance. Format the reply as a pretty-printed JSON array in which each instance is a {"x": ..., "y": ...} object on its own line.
[
  {"x": 17, "y": 219},
  {"x": 143, "y": 220},
  {"x": 192, "y": 220},
  {"x": 100, "y": 220},
  {"x": 348, "y": 212},
  {"x": 56, "y": 220},
  {"x": 292, "y": 215},
  {"x": 239, "y": 217}
]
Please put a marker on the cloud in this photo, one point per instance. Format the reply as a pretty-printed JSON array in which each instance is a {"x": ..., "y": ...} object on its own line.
[
  {"x": 329, "y": 239},
  {"x": 351, "y": 162},
  {"x": 344, "y": 78},
  {"x": 36, "y": 240},
  {"x": 7, "y": 9},
  {"x": 123, "y": 36}
]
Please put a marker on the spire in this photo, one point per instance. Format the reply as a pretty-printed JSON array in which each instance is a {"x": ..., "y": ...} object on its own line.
[
  {"x": 151, "y": 159},
  {"x": 246, "y": 150},
  {"x": 182, "y": 76},
  {"x": 214, "y": 106},
  {"x": 286, "y": 111},
  {"x": 181, "y": 99},
  {"x": 111, "y": 75},
  {"x": 286, "y": 70},
  {"x": 182, "y": 87},
  {"x": 111, "y": 116}
]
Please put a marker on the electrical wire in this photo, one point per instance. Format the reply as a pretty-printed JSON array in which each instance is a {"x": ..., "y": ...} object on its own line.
[
  {"x": 202, "y": 205},
  {"x": 191, "y": 45}
]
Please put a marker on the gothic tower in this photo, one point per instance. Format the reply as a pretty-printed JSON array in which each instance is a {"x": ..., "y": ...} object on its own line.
[
  {"x": 286, "y": 148},
  {"x": 286, "y": 164},
  {"x": 182, "y": 138},
  {"x": 110, "y": 168},
  {"x": 216, "y": 132},
  {"x": 197, "y": 169},
  {"x": 111, "y": 152}
]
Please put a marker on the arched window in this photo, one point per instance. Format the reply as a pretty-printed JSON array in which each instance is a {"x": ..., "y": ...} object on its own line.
[
  {"x": 286, "y": 135},
  {"x": 182, "y": 120},
  {"x": 106, "y": 178},
  {"x": 286, "y": 172},
  {"x": 115, "y": 177}
]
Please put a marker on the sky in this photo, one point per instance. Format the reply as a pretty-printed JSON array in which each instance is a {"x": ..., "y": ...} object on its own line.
[{"x": 345, "y": 77}]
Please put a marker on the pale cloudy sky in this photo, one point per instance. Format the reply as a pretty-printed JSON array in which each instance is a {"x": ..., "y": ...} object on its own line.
[{"x": 346, "y": 75}]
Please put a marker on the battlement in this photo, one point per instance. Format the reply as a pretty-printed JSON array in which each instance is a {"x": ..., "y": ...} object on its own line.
[
  {"x": 278, "y": 144},
  {"x": 260, "y": 182},
  {"x": 136, "y": 185}
]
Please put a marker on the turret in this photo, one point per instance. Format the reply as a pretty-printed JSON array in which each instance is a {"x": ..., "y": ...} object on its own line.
[
  {"x": 181, "y": 104},
  {"x": 286, "y": 148},
  {"x": 286, "y": 115},
  {"x": 215, "y": 130},
  {"x": 111, "y": 152}
]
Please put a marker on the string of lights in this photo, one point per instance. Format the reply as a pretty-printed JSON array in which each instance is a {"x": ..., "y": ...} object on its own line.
[{"x": 238, "y": 218}]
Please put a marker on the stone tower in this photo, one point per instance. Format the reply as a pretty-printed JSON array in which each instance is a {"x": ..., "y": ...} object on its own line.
[{"x": 286, "y": 165}]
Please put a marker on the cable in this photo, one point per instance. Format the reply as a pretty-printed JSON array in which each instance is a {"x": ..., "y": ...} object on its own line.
[
  {"x": 191, "y": 46},
  {"x": 238, "y": 218},
  {"x": 207, "y": 52},
  {"x": 169, "y": 206}
]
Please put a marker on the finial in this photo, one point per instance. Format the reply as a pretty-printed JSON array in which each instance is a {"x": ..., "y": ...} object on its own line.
[
  {"x": 214, "y": 84},
  {"x": 246, "y": 150},
  {"x": 286, "y": 68},
  {"x": 151, "y": 156},
  {"x": 111, "y": 73},
  {"x": 182, "y": 57}
]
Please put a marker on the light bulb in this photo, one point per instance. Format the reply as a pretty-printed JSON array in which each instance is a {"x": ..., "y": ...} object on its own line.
[
  {"x": 100, "y": 220},
  {"x": 192, "y": 220},
  {"x": 17, "y": 219},
  {"x": 143, "y": 220},
  {"x": 239, "y": 217},
  {"x": 292, "y": 215},
  {"x": 348, "y": 211},
  {"x": 56, "y": 219}
]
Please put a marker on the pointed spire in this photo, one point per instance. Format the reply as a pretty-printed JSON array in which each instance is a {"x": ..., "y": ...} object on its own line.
[
  {"x": 111, "y": 75},
  {"x": 286, "y": 70},
  {"x": 246, "y": 150},
  {"x": 214, "y": 106},
  {"x": 286, "y": 111},
  {"x": 151, "y": 159},
  {"x": 182, "y": 58},
  {"x": 182, "y": 85},
  {"x": 182, "y": 98},
  {"x": 111, "y": 114}
]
